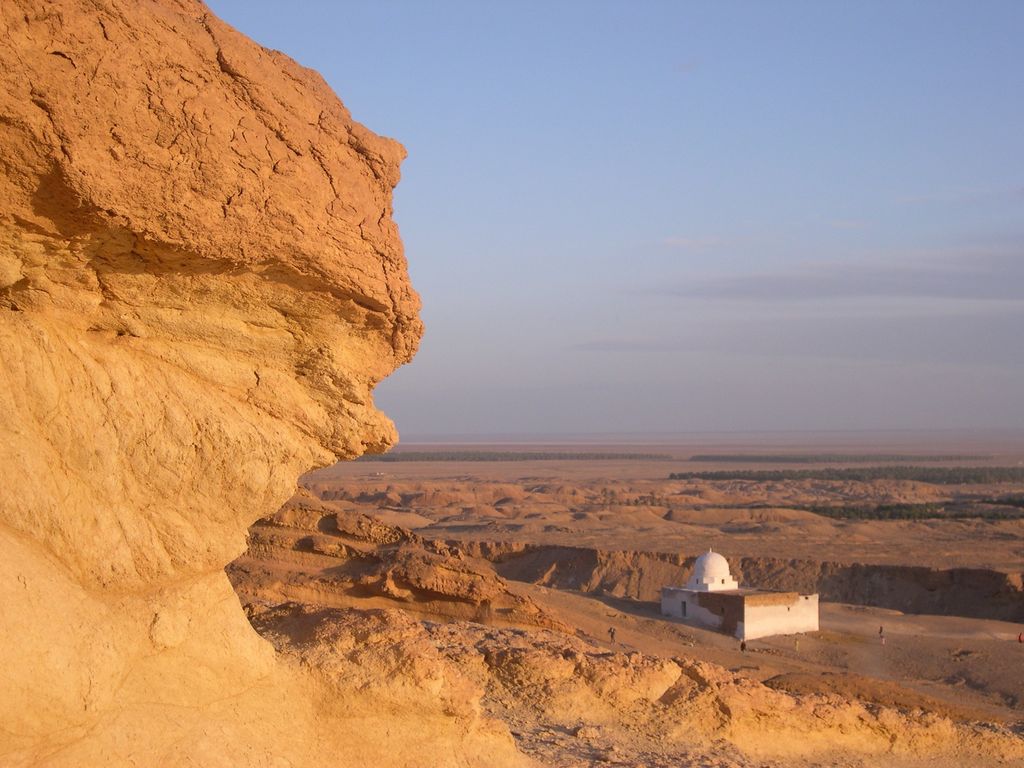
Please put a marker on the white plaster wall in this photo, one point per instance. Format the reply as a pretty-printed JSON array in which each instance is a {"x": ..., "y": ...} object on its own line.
[
  {"x": 711, "y": 584},
  {"x": 764, "y": 620},
  {"x": 671, "y": 600},
  {"x": 671, "y": 605}
]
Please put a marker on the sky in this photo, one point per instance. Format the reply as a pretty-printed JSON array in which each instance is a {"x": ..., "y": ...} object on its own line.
[{"x": 661, "y": 217}]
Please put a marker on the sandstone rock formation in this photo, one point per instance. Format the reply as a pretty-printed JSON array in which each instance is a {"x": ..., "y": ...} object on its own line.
[
  {"x": 200, "y": 284},
  {"x": 312, "y": 551},
  {"x": 571, "y": 704}
]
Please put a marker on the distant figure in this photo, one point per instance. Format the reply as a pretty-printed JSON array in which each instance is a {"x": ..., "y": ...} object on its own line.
[
  {"x": 796, "y": 644},
  {"x": 1020, "y": 637},
  {"x": 743, "y": 646},
  {"x": 611, "y": 633},
  {"x": 880, "y": 632}
]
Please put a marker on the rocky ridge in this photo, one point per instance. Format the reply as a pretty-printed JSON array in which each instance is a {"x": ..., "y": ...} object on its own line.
[
  {"x": 543, "y": 533},
  {"x": 975, "y": 592},
  {"x": 322, "y": 578},
  {"x": 329, "y": 554}
]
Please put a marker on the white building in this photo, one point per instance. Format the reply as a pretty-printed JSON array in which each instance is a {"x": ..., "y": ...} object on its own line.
[{"x": 713, "y": 598}]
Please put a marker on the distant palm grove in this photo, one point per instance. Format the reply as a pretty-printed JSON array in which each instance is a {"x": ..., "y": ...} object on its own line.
[{"x": 936, "y": 475}]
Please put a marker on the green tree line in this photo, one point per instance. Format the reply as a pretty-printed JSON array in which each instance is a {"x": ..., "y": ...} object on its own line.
[{"x": 936, "y": 475}]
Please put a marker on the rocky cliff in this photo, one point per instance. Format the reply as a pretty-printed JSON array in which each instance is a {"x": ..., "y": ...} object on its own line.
[
  {"x": 973, "y": 592},
  {"x": 200, "y": 284},
  {"x": 369, "y": 604}
]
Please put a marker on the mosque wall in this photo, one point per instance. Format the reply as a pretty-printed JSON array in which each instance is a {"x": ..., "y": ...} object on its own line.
[
  {"x": 760, "y": 619},
  {"x": 713, "y": 610},
  {"x": 727, "y": 607},
  {"x": 745, "y": 616}
]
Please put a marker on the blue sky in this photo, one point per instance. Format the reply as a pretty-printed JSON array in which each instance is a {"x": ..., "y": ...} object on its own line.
[{"x": 632, "y": 217}]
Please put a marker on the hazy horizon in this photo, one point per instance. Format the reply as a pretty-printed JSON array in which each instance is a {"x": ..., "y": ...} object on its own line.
[
  {"x": 949, "y": 441},
  {"x": 694, "y": 217}
]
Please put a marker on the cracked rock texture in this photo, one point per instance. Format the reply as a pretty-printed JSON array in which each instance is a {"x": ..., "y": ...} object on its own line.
[{"x": 200, "y": 284}]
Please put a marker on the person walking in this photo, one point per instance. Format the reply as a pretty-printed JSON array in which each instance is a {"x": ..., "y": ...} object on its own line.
[
  {"x": 743, "y": 646},
  {"x": 611, "y": 634}
]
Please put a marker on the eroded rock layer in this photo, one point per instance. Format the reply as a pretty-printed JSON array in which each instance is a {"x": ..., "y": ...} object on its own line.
[
  {"x": 368, "y": 604},
  {"x": 200, "y": 278},
  {"x": 326, "y": 553}
]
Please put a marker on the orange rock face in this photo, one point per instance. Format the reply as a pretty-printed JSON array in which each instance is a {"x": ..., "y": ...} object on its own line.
[{"x": 200, "y": 284}]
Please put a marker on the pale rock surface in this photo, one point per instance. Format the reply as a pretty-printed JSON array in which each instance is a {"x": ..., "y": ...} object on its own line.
[{"x": 569, "y": 703}]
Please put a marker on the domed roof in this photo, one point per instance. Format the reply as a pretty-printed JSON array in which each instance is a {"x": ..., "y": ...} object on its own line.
[{"x": 711, "y": 567}]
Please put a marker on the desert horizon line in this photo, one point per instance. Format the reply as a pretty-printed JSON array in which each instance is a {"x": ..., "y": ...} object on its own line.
[{"x": 427, "y": 438}]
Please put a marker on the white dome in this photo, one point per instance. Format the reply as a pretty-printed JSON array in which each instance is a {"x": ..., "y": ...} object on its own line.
[
  {"x": 711, "y": 573},
  {"x": 711, "y": 565}
]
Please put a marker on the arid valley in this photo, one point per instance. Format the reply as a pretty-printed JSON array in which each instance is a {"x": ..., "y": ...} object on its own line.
[{"x": 553, "y": 544}]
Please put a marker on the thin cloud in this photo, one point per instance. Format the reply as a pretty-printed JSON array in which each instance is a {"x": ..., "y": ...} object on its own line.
[
  {"x": 689, "y": 66},
  {"x": 694, "y": 243},
  {"x": 981, "y": 339},
  {"x": 978, "y": 277},
  {"x": 848, "y": 224},
  {"x": 989, "y": 339},
  {"x": 617, "y": 345},
  {"x": 962, "y": 195}
]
